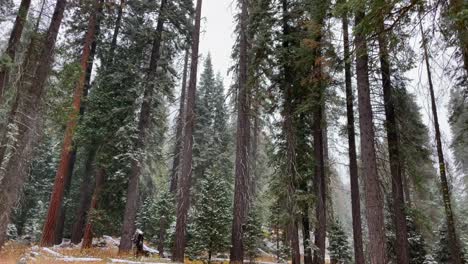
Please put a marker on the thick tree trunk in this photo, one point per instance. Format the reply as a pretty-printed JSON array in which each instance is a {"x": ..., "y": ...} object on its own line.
[
  {"x": 353, "y": 167},
  {"x": 295, "y": 245},
  {"x": 398, "y": 201},
  {"x": 179, "y": 128},
  {"x": 373, "y": 194},
  {"x": 67, "y": 148},
  {"x": 89, "y": 70},
  {"x": 320, "y": 186},
  {"x": 61, "y": 215},
  {"x": 454, "y": 243},
  {"x": 29, "y": 99},
  {"x": 242, "y": 171},
  {"x": 13, "y": 44},
  {"x": 86, "y": 192},
  {"x": 184, "y": 182},
  {"x": 88, "y": 232},
  {"x": 131, "y": 207}
]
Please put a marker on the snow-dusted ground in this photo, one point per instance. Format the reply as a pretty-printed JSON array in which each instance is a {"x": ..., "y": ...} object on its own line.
[{"x": 105, "y": 249}]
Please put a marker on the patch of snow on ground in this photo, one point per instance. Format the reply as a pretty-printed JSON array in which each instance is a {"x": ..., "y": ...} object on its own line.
[
  {"x": 133, "y": 262},
  {"x": 110, "y": 240},
  {"x": 150, "y": 250},
  {"x": 73, "y": 259},
  {"x": 51, "y": 252}
]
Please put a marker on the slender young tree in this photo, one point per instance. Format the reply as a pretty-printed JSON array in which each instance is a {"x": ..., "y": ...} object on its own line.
[
  {"x": 373, "y": 194},
  {"x": 455, "y": 248},
  {"x": 66, "y": 157},
  {"x": 398, "y": 200},
  {"x": 184, "y": 181},
  {"x": 131, "y": 207},
  {"x": 177, "y": 152},
  {"x": 179, "y": 127},
  {"x": 242, "y": 173},
  {"x": 353, "y": 167},
  {"x": 88, "y": 231},
  {"x": 13, "y": 44},
  {"x": 28, "y": 103}
]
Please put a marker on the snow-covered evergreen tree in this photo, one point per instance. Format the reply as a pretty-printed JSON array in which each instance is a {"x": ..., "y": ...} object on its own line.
[
  {"x": 339, "y": 247},
  {"x": 208, "y": 233},
  {"x": 441, "y": 250}
]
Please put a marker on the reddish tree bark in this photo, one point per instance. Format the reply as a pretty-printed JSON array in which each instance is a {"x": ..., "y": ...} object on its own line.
[
  {"x": 294, "y": 239},
  {"x": 67, "y": 149},
  {"x": 183, "y": 195},
  {"x": 13, "y": 43},
  {"x": 242, "y": 173},
  {"x": 28, "y": 104},
  {"x": 131, "y": 207},
  {"x": 88, "y": 232},
  {"x": 373, "y": 194},
  {"x": 86, "y": 193},
  {"x": 320, "y": 186},
  {"x": 353, "y": 167}
]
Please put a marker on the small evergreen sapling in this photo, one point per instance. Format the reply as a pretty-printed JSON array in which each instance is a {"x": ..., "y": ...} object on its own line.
[{"x": 339, "y": 247}]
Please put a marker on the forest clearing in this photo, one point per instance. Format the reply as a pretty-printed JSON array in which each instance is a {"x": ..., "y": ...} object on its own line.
[{"x": 234, "y": 131}]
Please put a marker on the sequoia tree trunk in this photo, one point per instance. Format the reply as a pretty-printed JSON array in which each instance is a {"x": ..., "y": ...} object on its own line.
[
  {"x": 67, "y": 148},
  {"x": 242, "y": 171},
  {"x": 184, "y": 182},
  {"x": 353, "y": 167},
  {"x": 373, "y": 193},
  {"x": 28, "y": 104},
  {"x": 86, "y": 193}
]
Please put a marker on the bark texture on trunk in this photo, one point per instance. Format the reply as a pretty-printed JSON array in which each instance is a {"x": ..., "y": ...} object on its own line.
[
  {"x": 242, "y": 168},
  {"x": 62, "y": 212},
  {"x": 184, "y": 182},
  {"x": 306, "y": 237},
  {"x": 295, "y": 244},
  {"x": 373, "y": 194},
  {"x": 13, "y": 44},
  {"x": 353, "y": 167},
  {"x": 88, "y": 231},
  {"x": 86, "y": 193},
  {"x": 454, "y": 243},
  {"x": 320, "y": 187},
  {"x": 131, "y": 207},
  {"x": 28, "y": 104},
  {"x": 177, "y": 152},
  {"x": 179, "y": 128},
  {"x": 67, "y": 149},
  {"x": 398, "y": 201}
]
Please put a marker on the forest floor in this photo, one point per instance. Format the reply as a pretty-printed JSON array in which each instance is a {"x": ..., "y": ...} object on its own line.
[
  {"x": 19, "y": 253},
  {"x": 14, "y": 253}
]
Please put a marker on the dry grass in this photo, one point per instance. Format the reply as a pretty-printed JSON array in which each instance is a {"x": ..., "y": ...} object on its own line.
[{"x": 13, "y": 252}]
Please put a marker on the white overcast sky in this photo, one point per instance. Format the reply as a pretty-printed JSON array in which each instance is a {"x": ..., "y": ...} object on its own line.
[
  {"x": 217, "y": 33},
  {"x": 217, "y": 38}
]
